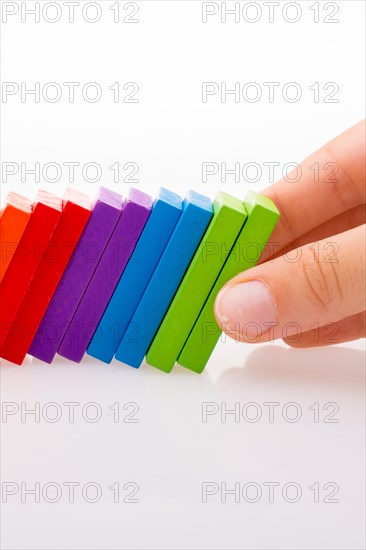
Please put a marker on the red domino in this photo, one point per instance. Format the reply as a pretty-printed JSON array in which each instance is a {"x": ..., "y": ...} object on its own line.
[
  {"x": 13, "y": 288},
  {"x": 13, "y": 221},
  {"x": 75, "y": 214}
]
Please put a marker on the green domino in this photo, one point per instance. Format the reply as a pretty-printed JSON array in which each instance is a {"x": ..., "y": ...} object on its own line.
[
  {"x": 229, "y": 217},
  {"x": 262, "y": 219}
]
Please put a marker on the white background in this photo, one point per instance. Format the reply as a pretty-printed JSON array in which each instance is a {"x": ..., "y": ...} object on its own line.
[{"x": 169, "y": 133}]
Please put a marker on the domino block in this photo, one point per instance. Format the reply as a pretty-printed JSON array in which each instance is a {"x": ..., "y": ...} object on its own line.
[
  {"x": 151, "y": 244},
  {"x": 135, "y": 213},
  {"x": 106, "y": 211},
  {"x": 13, "y": 221},
  {"x": 229, "y": 217},
  {"x": 45, "y": 216},
  {"x": 75, "y": 213},
  {"x": 262, "y": 219},
  {"x": 195, "y": 217}
]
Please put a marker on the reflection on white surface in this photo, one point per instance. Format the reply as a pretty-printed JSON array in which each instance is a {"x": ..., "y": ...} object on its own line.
[{"x": 187, "y": 446}]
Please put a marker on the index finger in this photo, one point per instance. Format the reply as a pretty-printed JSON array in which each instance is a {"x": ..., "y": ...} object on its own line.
[{"x": 332, "y": 181}]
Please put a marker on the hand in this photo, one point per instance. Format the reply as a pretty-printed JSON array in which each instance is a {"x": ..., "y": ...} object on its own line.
[{"x": 312, "y": 292}]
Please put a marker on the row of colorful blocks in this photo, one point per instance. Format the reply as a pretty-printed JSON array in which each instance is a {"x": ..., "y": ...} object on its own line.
[{"x": 125, "y": 278}]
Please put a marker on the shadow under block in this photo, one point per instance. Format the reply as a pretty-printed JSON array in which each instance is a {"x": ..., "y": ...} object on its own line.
[
  {"x": 136, "y": 210},
  {"x": 195, "y": 217},
  {"x": 131, "y": 286},
  {"x": 106, "y": 211},
  {"x": 229, "y": 217},
  {"x": 261, "y": 221},
  {"x": 13, "y": 221},
  {"x": 45, "y": 216},
  {"x": 75, "y": 213}
]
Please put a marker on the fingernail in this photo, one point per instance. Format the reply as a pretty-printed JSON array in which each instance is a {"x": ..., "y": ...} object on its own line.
[{"x": 246, "y": 309}]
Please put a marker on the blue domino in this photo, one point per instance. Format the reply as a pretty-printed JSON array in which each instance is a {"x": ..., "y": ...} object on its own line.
[
  {"x": 196, "y": 215},
  {"x": 165, "y": 214}
]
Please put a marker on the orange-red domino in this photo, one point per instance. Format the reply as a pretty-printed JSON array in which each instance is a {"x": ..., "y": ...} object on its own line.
[
  {"x": 13, "y": 221},
  {"x": 75, "y": 213},
  {"x": 45, "y": 216}
]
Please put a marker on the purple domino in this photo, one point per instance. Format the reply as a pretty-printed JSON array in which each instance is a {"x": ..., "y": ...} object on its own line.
[
  {"x": 135, "y": 213},
  {"x": 106, "y": 212}
]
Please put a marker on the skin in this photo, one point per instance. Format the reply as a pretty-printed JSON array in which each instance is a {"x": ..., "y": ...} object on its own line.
[{"x": 322, "y": 223}]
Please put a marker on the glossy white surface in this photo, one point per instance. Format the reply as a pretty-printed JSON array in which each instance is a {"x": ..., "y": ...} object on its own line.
[{"x": 171, "y": 452}]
